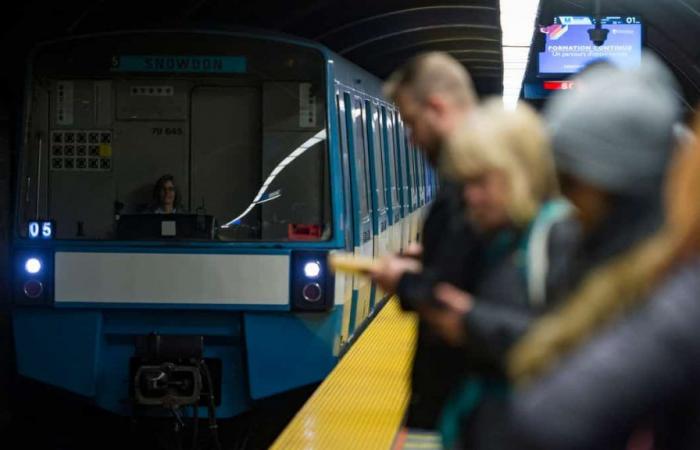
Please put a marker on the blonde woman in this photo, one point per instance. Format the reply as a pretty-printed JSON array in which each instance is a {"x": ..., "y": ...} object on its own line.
[
  {"x": 503, "y": 160},
  {"x": 616, "y": 366}
]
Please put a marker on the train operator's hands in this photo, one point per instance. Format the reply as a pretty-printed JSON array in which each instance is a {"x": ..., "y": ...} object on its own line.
[
  {"x": 390, "y": 270},
  {"x": 446, "y": 318}
]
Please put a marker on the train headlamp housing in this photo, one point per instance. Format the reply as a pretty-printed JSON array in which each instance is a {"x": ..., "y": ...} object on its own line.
[
  {"x": 33, "y": 277},
  {"x": 312, "y": 284}
]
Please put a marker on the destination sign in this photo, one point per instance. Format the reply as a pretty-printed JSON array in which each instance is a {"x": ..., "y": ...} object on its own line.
[{"x": 179, "y": 64}]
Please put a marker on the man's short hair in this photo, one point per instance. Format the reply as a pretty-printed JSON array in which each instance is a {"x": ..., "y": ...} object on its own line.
[{"x": 431, "y": 73}]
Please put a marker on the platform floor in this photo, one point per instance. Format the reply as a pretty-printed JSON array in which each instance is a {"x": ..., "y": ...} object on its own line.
[{"x": 362, "y": 403}]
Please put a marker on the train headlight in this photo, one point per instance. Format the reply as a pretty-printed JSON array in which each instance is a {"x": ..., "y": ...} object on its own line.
[
  {"x": 32, "y": 266},
  {"x": 312, "y": 269}
]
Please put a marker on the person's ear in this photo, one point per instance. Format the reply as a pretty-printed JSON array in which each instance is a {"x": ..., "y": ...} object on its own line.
[{"x": 436, "y": 104}]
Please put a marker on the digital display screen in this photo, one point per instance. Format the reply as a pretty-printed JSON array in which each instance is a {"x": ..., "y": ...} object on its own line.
[
  {"x": 40, "y": 229},
  {"x": 568, "y": 46}
]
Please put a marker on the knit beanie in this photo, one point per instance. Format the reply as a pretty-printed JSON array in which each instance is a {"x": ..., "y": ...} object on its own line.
[{"x": 615, "y": 129}]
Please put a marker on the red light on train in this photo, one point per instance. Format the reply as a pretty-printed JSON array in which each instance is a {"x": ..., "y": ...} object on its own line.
[{"x": 558, "y": 85}]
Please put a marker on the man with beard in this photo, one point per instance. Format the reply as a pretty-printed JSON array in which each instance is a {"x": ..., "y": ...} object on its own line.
[{"x": 435, "y": 96}]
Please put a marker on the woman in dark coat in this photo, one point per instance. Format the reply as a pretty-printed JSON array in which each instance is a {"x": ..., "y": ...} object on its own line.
[{"x": 525, "y": 236}]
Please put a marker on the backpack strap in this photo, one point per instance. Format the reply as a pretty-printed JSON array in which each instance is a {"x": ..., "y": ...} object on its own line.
[{"x": 537, "y": 248}]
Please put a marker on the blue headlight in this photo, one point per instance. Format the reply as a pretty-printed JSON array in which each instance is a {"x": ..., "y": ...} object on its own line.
[
  {"x": 32, "y": 266},
  {"x": 312, "y": 269}
]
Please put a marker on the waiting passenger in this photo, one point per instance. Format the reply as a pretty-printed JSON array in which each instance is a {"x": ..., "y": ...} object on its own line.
[
  {"x": 527, "y": 240},
  {"x": 166, "y": 199},
  {"x": 434, "y": 94},
  {"x": 586, "y": 384}
]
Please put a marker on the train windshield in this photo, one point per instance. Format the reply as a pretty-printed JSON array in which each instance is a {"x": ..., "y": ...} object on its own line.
[{"x": 223, "y": 139}]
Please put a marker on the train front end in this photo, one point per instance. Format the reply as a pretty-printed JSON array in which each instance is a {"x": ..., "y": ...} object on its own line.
[{"x": 226, "y": 300}]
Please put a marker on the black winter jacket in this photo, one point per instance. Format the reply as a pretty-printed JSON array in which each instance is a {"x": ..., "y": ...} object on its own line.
[
  {"x": 502, "y": 312},
  {"x": 448, "y": 254}
]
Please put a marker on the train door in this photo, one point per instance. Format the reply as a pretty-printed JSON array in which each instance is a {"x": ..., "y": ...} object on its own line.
[
  {"x": 362, "y": 210},
  {"x": 225, "y": 158}
]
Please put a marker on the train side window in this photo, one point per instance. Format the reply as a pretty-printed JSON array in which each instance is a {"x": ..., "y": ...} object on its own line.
[
  {"x": 376, "y": 155},
  {"x": 390, "y": 159},
  {"x": 429, "y": 182},
  {"x": 411, "y": 173},
  {"x": 400, "y": 172},
  {"x": 357, "y": 146},
  {"x": 426, "y": 180},
  {"x": 420, "y": 177},
  {"x": 345, "y": 161},
  {"x": 414, "y": 176}
]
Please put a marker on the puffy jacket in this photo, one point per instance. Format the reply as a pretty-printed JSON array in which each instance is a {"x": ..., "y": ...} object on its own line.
[{"x": 639, "y": 374}]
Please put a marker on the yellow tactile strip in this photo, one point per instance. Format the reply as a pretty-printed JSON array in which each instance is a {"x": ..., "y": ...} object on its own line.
[{"x": 362, "y": 402}]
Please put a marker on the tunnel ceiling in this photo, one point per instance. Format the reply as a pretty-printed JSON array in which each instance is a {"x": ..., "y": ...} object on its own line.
[
  {"x": 377, "y": 35},
  {"x": 672, "y": 30},
  {"x": 380, "y": 35}
]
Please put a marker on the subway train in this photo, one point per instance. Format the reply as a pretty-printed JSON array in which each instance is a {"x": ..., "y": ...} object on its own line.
[{"x": 280, "y": 151}]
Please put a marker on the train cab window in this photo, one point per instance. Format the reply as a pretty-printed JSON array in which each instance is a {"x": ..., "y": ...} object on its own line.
[{"x": 244, "y": 136}]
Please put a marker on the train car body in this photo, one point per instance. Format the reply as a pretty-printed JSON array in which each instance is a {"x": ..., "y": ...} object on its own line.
[{"x": 281, "y": 151}]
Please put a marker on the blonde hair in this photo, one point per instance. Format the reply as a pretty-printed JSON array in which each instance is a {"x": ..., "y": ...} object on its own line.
[
  {"x": 621, "y": 284},
  {"x": 430, "y": 73},
  {"x": 514, "y": 142}
]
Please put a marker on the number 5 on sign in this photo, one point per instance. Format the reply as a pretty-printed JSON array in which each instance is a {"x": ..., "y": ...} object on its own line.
[{"x": 47, "y": 230}]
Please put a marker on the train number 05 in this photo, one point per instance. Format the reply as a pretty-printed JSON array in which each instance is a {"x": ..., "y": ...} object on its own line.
[{"x": 40, "y": 229}]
